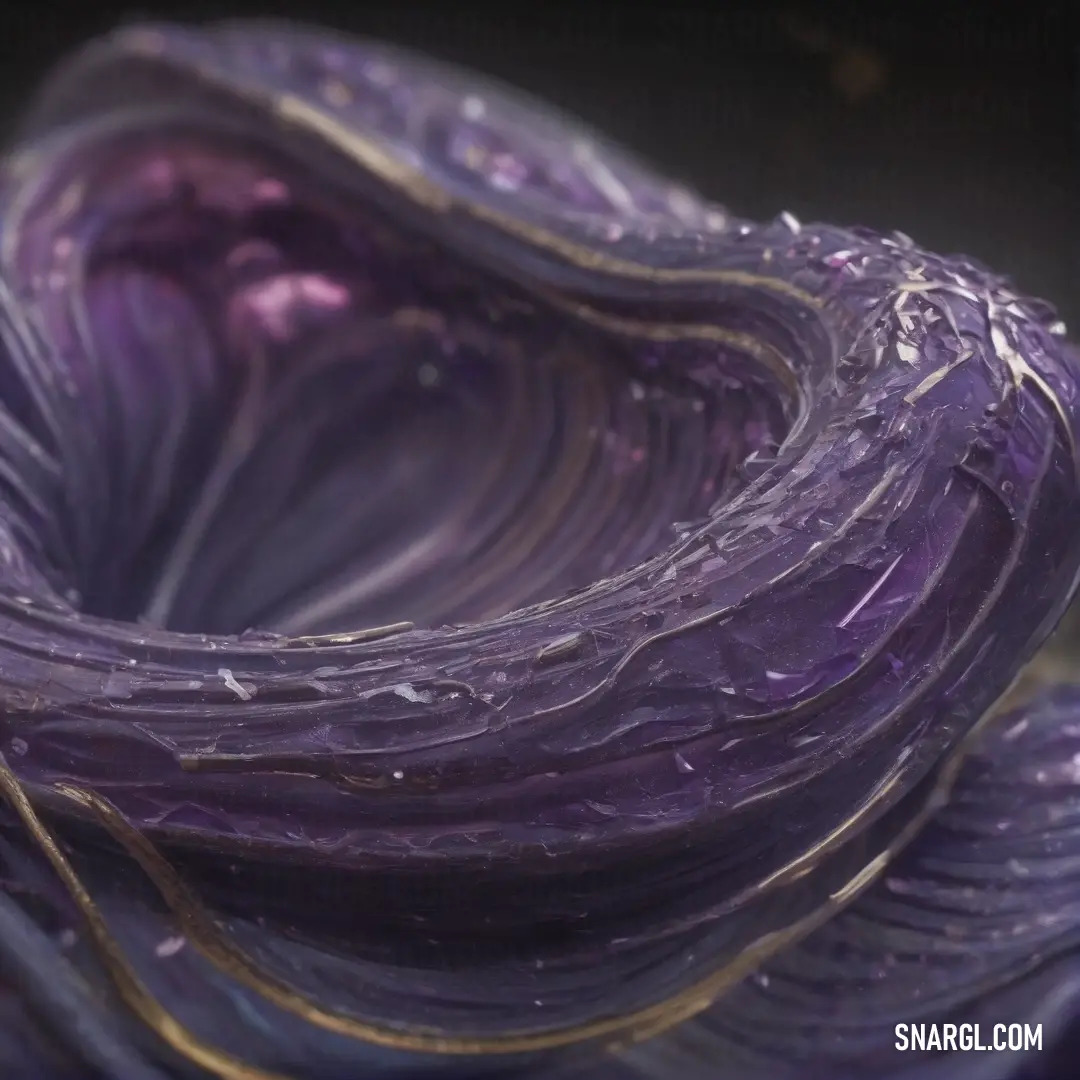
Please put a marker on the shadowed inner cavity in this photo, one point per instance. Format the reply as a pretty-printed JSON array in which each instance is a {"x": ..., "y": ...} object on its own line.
[{"x": 308, "y": 418}]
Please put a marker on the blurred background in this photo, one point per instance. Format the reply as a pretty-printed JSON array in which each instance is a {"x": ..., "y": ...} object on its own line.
[{"x": 957, "y": 123}]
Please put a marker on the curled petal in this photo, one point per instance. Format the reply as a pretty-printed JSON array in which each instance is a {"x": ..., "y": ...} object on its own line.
[
  {"x": 974, "y": 927},
  {"x": 417, "y": 515}
]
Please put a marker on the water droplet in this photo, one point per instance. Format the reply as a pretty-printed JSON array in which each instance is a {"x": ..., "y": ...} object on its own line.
[
  {"x": 473, "y": 108},
  {"x": 791, "y": 222},
  {"x": 169, "y": 946}
]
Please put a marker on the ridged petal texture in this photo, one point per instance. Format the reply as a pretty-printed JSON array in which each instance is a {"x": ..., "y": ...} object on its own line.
[{"x": 470, "y": 606}]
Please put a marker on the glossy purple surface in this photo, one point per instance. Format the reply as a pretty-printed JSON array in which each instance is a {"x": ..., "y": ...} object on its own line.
[{"x": 694, "y": 547}]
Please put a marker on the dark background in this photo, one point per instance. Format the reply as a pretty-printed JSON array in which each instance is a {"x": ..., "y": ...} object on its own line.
[{"x": 958, "y": 123}]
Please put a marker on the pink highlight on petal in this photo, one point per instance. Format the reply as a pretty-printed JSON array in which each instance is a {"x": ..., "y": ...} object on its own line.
[
  {"x": 278, "y": 302},
  {"x": 269, "y": 190}
]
